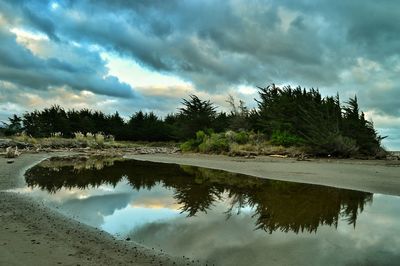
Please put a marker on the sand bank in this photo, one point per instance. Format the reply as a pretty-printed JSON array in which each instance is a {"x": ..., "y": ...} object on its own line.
[{"x": 376, "y": 176}]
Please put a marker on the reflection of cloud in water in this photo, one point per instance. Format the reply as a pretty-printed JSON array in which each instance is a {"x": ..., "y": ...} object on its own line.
[
  {"x": 308, "y": 224},
  {"x": 156, "y": 204},
  {"x": 65, "y": 194},
  {"x": 235, "y": 242},
  {"x": 93, "y": 209},
  {"x": 129, "y": 218},
  {"x": 98, "y": 206}
]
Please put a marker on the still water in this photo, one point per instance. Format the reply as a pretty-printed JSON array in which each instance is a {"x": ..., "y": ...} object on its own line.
[{"x": 220, "y": 217}]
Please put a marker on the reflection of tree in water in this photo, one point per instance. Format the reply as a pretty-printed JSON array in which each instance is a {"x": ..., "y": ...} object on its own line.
[
  {"x": 196, "y": 198},
  {"x": 72, "y": 172},
  {"x": 277, "y": 205},
  {"x": 298, "y": 207}
]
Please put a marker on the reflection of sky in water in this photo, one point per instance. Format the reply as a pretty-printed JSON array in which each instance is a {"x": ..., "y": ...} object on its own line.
[
  {"x": 152, "y": 217},
  {"x": 129, "y": 218}
]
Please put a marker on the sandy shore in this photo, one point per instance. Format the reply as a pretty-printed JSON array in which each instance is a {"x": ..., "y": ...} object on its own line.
[
  {"x": 376, "y": 176},
  {"x": 31, "y": 234}
]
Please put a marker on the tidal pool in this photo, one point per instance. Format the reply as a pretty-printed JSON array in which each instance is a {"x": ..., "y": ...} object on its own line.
[{"x": 219, "y": 217}]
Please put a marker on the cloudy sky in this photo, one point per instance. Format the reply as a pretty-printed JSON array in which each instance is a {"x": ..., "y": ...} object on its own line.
[{"x": 131, "y": 55}]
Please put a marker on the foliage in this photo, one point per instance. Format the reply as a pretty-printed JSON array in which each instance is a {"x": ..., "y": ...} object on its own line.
[
  {"x": 285, "y": 139},
  {"x": 325, "y": 127},
  {"x": 214, "y": 143},
  {"x": 239, "y": 115},
  {"x": 23, "y": 137},
  {"x": 193, "y": 144},
  {"x": 289, "y": 117},
  {"x": 209, "y": 142},
  {"x": 196, "y": 115},
  {"x": 99, "y": 139}
]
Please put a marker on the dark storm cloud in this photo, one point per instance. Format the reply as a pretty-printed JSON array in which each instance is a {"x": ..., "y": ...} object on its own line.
[
  {"x": 214, "y": 44},
  {"x": 41, "y": 22},
  {"x": 217, "y": 44}
]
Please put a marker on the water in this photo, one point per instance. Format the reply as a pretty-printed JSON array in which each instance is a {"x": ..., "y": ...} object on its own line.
[{"x": 221, "y": 217}]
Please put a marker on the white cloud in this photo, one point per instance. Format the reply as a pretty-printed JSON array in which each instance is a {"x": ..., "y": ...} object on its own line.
[{"x": 138, "y": 76}]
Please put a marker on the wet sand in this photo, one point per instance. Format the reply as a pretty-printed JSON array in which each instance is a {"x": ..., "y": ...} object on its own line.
[
  {"x": 32, "y": 234},
  {"x": 376, "y": 176}
]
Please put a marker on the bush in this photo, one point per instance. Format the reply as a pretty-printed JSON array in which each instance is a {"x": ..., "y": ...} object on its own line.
[
  {"x": 193, "y": 144},
  {"x": 189, "y": 145},
  {"x": 99, "y": 139},
  {"x": 344, "y": 146},
  {"x": 23, "y": 137},
  {"x": 79, "y": 136},
  {"x": 241, "y": 137},
  {"x": 285, "y": 139},
  {"x": 216, "y": 143},
  {"x": 89, "y": 136},
  {"x": 211, "y": 142},
  {"x": 200, "y": 136}
]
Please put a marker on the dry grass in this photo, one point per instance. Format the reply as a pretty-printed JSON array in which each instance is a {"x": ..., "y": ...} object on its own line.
[
  {"x": 56, "y": 140},
  {"x": 23, "y": 137},
  {"x": 263, "y": 148},
  {"x": 89, "y": 140}
]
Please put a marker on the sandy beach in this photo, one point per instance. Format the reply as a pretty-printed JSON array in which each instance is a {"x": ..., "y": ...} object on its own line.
[{"x": 33, "y": 234}]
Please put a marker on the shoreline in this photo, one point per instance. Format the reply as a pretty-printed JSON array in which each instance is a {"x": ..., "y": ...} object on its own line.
[
  {"x": 35, "y": 234},
  {"x": 375, "y": 176}
]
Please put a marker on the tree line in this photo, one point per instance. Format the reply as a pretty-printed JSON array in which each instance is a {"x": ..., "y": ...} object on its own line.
[{"x": 286, "y": 116}]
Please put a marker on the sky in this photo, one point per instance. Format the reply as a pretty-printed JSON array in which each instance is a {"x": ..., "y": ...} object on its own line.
[{"x": 128, "y": 56}]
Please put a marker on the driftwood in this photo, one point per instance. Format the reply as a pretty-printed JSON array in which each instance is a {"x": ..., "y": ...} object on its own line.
[{"x": 12, "y": 152}]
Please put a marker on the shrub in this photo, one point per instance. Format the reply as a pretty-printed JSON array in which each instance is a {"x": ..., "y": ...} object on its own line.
[
  {"x": 200, "y": 136},
  {"x": 193, "y": 144},
  {"x": 211, "y": 142},
  {"x": 230, "y": 135},
  {"x": 99, "y": 139},
  {"x": 23, "y": 137},
  {"x": 189, "y": 145},
  {"x": 344, "y": 146},
  {"x": 89, "y": 136},
  {"x": 241, "y": 137},
  {"x": 215, "y": 143},
  {"x": 110, "y": 138},
  {"x": 285, "y": 139},
  {"x": 79, "y": 136}
]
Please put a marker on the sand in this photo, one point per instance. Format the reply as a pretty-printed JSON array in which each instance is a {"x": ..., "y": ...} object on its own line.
[
  {"x": 32, "y": 234},
  {"x": 376, "y": 176}
]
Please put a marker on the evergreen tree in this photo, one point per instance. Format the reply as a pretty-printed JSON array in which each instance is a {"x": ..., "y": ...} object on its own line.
[{"x": 196, "y": 115}]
